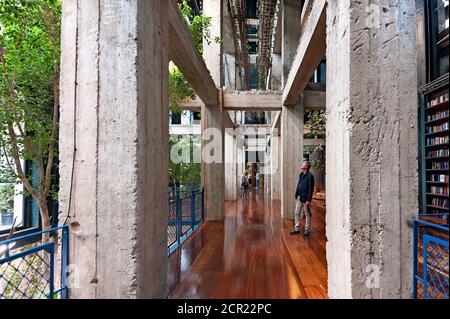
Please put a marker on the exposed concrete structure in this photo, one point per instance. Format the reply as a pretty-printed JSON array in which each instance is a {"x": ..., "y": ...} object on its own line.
[
  {"x": 291, "y": 119},
  {"x": 371, "y": 149},
  {"x": 310, "y": 51},
  {"x": 275, "y": 163},
  {"x": 212, "y": 52},
  {"x": 230, "y": 165},
  {"x": 314, "y": 98},
  {"x": 113, "y": 137},
  {"x": 185, "y": 55},
  {"x": 290, "y": 22},
  {"x": 114, "y": 127},
  {"x": 213, "y": 174},
  {"x": 291, "y": 156}
]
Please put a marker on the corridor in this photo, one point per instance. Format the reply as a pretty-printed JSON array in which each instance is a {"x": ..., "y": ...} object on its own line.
[{"x": 251, "y": 255}]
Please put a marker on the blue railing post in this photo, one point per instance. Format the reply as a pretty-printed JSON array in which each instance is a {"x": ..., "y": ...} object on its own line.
[
  {"x": 415, "y": 257},
  {"x": 52, "y": 268},
  {"x": 179, "y": 216},
  {"x": 64, "y": 261},
  {"x": 192, "y": 209},
  {"x": 203, "y": 204}
]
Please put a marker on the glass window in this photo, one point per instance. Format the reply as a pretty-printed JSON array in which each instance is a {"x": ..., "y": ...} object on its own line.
[{"x": 438, "y": 37}]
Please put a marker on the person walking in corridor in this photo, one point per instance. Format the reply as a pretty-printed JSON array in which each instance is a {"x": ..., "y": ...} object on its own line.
[
  {"x": 303, "y": 196},
  {"x": 245, "y": 186}
]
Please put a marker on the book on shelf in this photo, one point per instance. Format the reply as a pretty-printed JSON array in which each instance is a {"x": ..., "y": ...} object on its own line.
[
  {"x": 437, "y": 115},
  {"x": 438, "y": 140},
  {"x": 439, "y": 165},
  {"x": 438, "y": 100}
]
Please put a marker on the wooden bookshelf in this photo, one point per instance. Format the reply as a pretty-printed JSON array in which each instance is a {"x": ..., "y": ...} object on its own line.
[{"x": 435, "y": 137}]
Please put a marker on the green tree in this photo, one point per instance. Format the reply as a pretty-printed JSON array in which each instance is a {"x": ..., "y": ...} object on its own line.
[
  {"x": 29, "y": 93},
  {"x": 316, "y": 123},
  {"x": 185, "y": 173},
  {"x": 179, "y": 87}
]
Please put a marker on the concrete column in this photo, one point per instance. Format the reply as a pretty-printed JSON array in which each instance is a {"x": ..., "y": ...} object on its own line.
[
  {"x": 212, "y": 53},
  {"x": 290, "y": 28},
  {"x": 291, "y": 156},
  {"x": 275, "y": 152},
  {"x": 230, "y": 167},
  {"x": 277, "y": 71},
  {"x": 230, "y": 71},
  {"x": 113, "y": 138},
  {"x": 371, "y": 148},
  {"x": 292, "y": 116},
  {"x": 213, "y": 173}
]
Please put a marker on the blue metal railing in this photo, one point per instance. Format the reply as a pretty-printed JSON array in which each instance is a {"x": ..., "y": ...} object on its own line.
[
  {"x": 186, "y": 214},
  {"x": 30, "y": 269},
  {"x": 431, "y": 257}
]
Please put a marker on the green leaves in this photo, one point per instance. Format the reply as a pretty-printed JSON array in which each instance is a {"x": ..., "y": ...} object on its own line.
[
  {"x": 179, "y": 87},
  {"x": 316, "y": 123},
  {"x": 29, "y": 72}
]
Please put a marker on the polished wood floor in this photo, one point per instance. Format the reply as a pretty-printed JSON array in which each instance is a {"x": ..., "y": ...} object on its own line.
[{"x": 251, "y": 255}]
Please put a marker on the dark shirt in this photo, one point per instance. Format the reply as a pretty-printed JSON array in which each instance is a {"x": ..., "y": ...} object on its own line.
[{"x": 305, "y": 187}]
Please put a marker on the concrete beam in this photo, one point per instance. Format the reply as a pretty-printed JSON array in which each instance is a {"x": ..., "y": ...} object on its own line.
[
  {"x": 185, "y": 55},
  {"x": 252, "y": 100},
  {"x": 227, "y": 121},
  {"x": 314, "y": 99},
  {"x": 179, "y": 130},
  {"x": 310, "y": 51},
  {"x": 313, "y": 142}
]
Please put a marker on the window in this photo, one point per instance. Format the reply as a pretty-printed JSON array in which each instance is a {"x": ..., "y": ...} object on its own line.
[
  {"x": 438, "y": 23},
  {"x": 175, "y": 118},
  {"x": 16, "y": 206},
  {"x": 251, "y": 7}
]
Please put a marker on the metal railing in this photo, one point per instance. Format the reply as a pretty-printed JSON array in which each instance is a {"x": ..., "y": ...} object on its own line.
[
  {"x": 431, "y": 257},
  {"x": 31, "y": 269},
  {"x": 186, "y": 214}
]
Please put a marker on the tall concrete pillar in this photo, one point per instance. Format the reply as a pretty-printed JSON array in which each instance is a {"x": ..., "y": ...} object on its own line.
[
  {"x": 113, "y": 143},
  {"x": 275, "y": 152},
  {"x": 371, "y": 148},
  {"x": 291, "y": 116},
  {"x": 213, "y": 165},
  {"x": 290, "y": 28},
  {"x": 230, "y": 166},
  {"x": 213, "y": 174},
  {"x": 277, "y": 71},
  {"x": 212, "y": 52},
  {"x": 230, "y": 71},
  {"x": 291, "y": 156}
]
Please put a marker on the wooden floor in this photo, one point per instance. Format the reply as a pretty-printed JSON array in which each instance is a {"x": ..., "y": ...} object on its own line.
[{"x": 251, "y": 255}]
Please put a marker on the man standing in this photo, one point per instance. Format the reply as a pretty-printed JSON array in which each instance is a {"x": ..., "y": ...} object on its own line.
[{"x": 303, "y": 197}]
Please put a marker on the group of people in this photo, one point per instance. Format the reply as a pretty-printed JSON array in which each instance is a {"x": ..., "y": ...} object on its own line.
[{"x": 303, "y": 196}]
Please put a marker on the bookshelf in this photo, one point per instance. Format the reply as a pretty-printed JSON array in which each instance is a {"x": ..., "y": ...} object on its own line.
[{"x": 436, "y": 141}]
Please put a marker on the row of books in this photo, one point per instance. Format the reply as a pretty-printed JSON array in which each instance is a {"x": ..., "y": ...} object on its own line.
[
  {"x": 441, "y": 202},
  {"x": 438, "y": 153},
  {"x": 437, "y": 115},
  {"x": 438, "y": 190},
  {"x": 436, "y": 211},
  {"x": 438, "y": 178},
  {"x": 437, "y": 128},
  {"x": 439, "y": 165},
  {"x": 438, "y": 100},
  {"x": 438, "y": 140}
]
